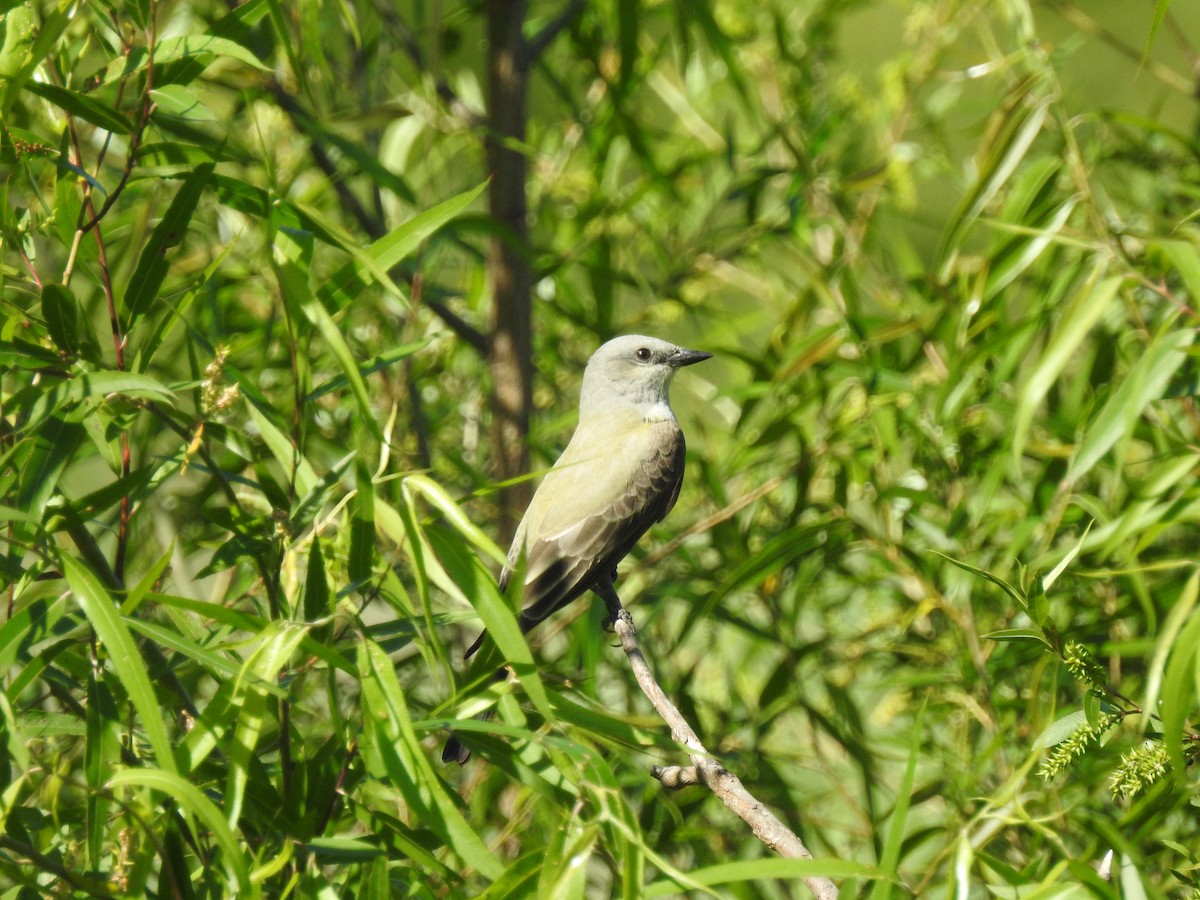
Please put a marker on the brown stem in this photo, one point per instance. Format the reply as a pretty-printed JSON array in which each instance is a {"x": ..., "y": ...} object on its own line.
[
  {"x": 705, "y": 769},
  {"x": 510, "y": 360},
  {"x": 135, "y": 140}
]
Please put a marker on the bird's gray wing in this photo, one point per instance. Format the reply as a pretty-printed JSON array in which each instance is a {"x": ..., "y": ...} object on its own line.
[{"x": 569, "y": 560}]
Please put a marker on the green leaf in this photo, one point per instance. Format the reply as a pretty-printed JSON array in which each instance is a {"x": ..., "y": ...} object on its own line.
[
  {"x": 370, "y": 367},
  {"x": 1061, "y": 729},
  {"x": 101, "y": 611},
  {"x": 434, "y": 494},
  {"x": 61, "y": 312},
  {"x": 202, "y": 49},
  {"x": 193, "y": 801},
  {"x": 1143, "y": 384},
  {"x": 1083, "y": 311},
  {"x": 347, "y": 284},
  {"x": 994, "y": 579},
  {"x": 1010, "y": 135},
  {"x": 361, "y": 559},
  {"x": 281, "y": 447},
  {"x": 176, "y": 100},
  {"x": 386, "y": 717},
  {"x": 54, "y": 444},
  {"x": 768, "y": 868},
  {"x": 1019, "y": 634},
  {"x": 219, "y": 664},
  {"x": 1181, "y": 684},
  {"x": 292, "y": 261},
  {"x": 82, "y": 105},
  {"x": 152, "y": 265},
  {"x": 889, "y": 860},
  {"x": 1167, "y": 646},
  {"x": 1068, "y": 557},
  {"x": 101, "y": 755},
  {"x": 276, "y": 644},
  {"x": 309, "y": 506},
  {"x": 318, "y": 603}
]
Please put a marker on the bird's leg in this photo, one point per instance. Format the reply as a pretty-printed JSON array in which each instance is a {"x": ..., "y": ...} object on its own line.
[{"x": 607, "y": 592}]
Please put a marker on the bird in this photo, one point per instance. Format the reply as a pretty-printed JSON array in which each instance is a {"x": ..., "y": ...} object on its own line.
[{"x": 619, "y": 474}]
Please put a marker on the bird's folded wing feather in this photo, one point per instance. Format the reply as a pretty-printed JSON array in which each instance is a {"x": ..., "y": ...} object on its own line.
[{"x": 601, "y": 505}]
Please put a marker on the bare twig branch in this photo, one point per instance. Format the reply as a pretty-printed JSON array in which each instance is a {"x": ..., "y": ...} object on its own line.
[
  {"x": 371, "y": 223},
  {"x": 705, "y": 768},
  {"x": 537, "y": 46},
  {"x": 135, "y": 140}
]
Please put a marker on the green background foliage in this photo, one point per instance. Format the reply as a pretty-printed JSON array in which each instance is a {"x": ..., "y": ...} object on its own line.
[{"x": 930, "y": 589}]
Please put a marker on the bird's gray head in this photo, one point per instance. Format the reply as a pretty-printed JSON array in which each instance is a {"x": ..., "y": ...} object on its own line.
[{"x": 633, "y": 371}]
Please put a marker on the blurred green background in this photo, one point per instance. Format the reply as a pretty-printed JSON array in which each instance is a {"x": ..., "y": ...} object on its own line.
[{"x": 930, "y": 589}]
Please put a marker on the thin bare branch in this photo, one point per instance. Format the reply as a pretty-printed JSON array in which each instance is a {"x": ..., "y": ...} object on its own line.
[
  {"x": 537, "y": 46},
  {"x": 705, "y": 769}
]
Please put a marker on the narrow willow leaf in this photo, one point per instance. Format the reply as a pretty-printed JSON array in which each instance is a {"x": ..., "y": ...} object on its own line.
[
  {"x": 318, "y": 602},
  {"x": 85, "y": 106},
  {"x": 437, "y": 496},
  {"x": 53, "y": 446},
  {"x": 1143, "y": 384},
  {"x": 147, "y": 582},
  {"x": 152, "y": 265},
  {"x": 1053, "y": 575},
  {"x": 284, "y": 34},
  {"x": 203, "y": 49},
  {"x": 306, "y": 508},
  {"x": 1168, "y": 642},
  {"x": 518, "y": 879},
  {"x": 284, "y": 451},
  {"x": 361, "y": 558},
  {"x": 388, "y": 713},
  {"x": 176, "y": 100},
  {"x": 889, "y": 859},
  {"x": 101, "y": 611},
  {"x": 101, "y": 753},
  {"x": 331, "y": 233},
  {"x": 98, "y": 386},
  {"x": 770, "y": 867},
  {"x": 219, "y": 664},
  {"x": 292, "y": 260},
  {"x": 61, "y": 312},
  {"x": 1061, "y": 729},
  {"x": 493, "y": 607},
  {"x": 324, "y": 323},
  {"x": 1160, "y": 13},
  {"x": 1030, "y": 250},
  {"x": 276, "y": 645},
  {"x": 253, "y": 624},
  {"x": 369, "y": 367},
  {"x": 347, "y": 284},
  {"x": 1181, "y": 683},
  {"x": 569, "y": 879},
  {"x": 14, "y": 739},
  {"x": 1083, "y": 311},
  {"x": 994, "y": 579},
  {"x": 1132, "y": 885},
  {"x": 1011, "y": 133},
  {"x": 1018, "y": 634},
  {"x": 192, "y": 800},
  {"x": 1185, "y": 257}
]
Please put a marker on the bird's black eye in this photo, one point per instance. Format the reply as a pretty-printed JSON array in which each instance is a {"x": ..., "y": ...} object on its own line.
[{"x": 642, "y": 353}]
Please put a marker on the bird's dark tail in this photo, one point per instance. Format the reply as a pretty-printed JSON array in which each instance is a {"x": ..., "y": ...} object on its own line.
[{"x": 455, "y": 750}]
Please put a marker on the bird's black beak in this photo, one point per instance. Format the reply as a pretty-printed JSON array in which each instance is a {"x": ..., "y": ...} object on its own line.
[{"x": 683, "y": 357}]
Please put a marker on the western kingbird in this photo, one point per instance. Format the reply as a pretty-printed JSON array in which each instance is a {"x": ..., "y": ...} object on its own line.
[{"x": 619, "y": 475}]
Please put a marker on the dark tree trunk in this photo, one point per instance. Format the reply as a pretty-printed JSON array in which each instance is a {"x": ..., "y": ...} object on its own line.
[{"x": 511, "y": 353}]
